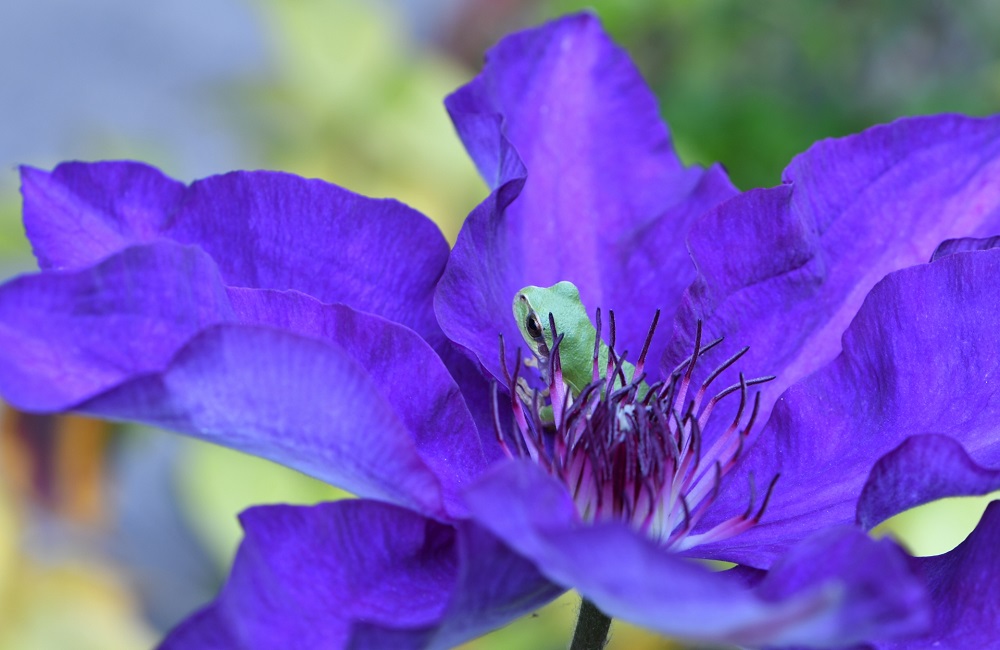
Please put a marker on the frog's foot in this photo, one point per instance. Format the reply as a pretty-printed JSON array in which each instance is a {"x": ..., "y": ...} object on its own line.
[
  {"x": 527, "y": 395},
  {"x": 526, "y": 392}
]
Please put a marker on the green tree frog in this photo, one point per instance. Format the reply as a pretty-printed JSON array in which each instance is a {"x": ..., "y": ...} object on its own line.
[{"x": 532, "y": 306}]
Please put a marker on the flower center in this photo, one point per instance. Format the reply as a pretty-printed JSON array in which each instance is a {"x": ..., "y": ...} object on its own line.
[{"x": 634, "y": 452}]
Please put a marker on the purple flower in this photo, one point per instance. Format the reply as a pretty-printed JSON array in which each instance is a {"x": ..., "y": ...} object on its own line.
[
  {"x": 786, "y": 271},
  {"x": 335, "y": 334}
]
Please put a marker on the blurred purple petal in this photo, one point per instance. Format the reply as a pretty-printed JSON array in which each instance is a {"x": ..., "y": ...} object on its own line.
[
  {"x": 377, "y": 574},
  {"x": 628, "y": 576},
  {"x": 69, "y": 336},
  {"x": 965, "y": 587},
  {"x": 80, "y": 213},
  {"x": 278, "y": 231},
  {"x": 922, "y": 356},
  {"x": 263, "y": 229},
  {"x": 206, "y": 629},
  {"x": 476, "y": 387},
  {"x": 494, "y": 586},
  {"x": 410, "y": 377},
  {"x": 877, "y": 595},
  {"x": 297, "y": 401},
  {"x": 965, "y": 244},
  {"x": 784, "y": 270},
  {"x": 66, "y": 336},
  {"x": 363, "y": 560},
  {"x": 586, "y": 186},
  {"x": 921, "y": 470}
]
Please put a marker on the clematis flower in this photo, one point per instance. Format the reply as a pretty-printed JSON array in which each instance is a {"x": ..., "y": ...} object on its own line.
[
  {"x": 337, "y": 335},
  {"x": 876, "y": 355}
]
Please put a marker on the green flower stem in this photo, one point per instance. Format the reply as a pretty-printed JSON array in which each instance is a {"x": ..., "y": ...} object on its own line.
[{"x": 591, "y": 628}]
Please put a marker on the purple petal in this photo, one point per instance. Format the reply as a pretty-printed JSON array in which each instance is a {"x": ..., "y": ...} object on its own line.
[
  {"x": 921, "y": 470},
  {"x": 965, "y": 244},
  {"x": 494, "y": 586},
  {"x": 629, "y": 577},
  {"x": 66, "y": 336},
  {"x": 361, "y": 574},
  {"x": 263, "y": 229},
  {"x": 303, "y": 574},
  {"x": 965, "y": 590},
  {"x": 104, "y": 340},
  {"x": 477, "y": 392},
  {"x": 922, "y": 356},
  {"x": 784, "y": 270},
  {"x": 879, "y": 596},
  {"x": 80, "y": 213},
  {"x": 411, "y": 379},
  {"x": 586, "y": 187},
  {"x": 297, "y": 401},
  {"x": 376, "y": 255}
]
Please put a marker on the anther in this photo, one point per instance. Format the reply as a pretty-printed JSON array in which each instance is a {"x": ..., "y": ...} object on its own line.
[{"x": 645, "y": 346}]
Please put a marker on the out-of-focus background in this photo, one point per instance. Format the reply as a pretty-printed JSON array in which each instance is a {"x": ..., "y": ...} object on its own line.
[{"x": 108, "y": 536}]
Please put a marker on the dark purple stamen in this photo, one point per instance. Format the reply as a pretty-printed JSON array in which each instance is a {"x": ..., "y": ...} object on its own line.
[{"x": 633, "y": 452}]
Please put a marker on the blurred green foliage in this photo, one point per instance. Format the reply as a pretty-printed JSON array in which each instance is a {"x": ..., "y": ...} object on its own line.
[
  {"x": 751, "y": 84},
  {"x": 356, "y": 100}
]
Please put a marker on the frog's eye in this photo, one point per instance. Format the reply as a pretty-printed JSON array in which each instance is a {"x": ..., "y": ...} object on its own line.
[{"x": 533, "y": 326}]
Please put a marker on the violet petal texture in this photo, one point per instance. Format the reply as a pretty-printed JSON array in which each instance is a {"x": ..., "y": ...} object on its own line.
[
  {"x": 263, "y": 229},
  {"x": 921, "y": 357},
  {"x": 784, "y": 270},
  {"x": 295, "y": 400},
  {"x": 877, "y": 595},
  {"x": 361, "y": 574},
  {"x": 922, "y": 469},
  {"x": 412, "y": 379},
  {"x": 965, "y": 244},
  {"x": 586, "y": 187},
  {"x": 150, "y": 334},
  {"x": 965, "y": 591},
  {"x": 816, "y": 597},
  {"x": 66, "y": 336}
]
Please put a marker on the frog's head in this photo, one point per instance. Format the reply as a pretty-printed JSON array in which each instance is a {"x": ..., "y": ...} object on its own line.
[{"x": 532, "y": 306}]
